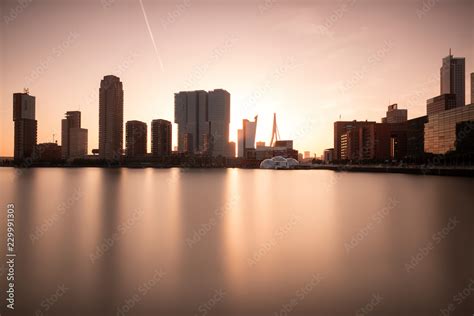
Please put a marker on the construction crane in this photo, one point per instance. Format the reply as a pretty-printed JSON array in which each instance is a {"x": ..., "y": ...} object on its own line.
[{"x": 275, "y": 132}]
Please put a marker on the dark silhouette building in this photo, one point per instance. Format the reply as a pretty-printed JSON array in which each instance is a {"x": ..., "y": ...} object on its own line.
[
  {"x": 390, "y": 141},
  {"x": 73, "y": 137},
  {"x": 48, "y": 152},
  {"x": 161, "y": 138},
  {"x": 110, "y": 118},
  {"x": 416, "y": 138},
  {"x": 472, "y": 88},
  {"x": 135, "y": 139},
  {"x": 24, "y": 117},
  {"x": 465, "y": 137}
]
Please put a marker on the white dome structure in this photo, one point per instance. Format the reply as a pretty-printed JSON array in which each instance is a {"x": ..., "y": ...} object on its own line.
[
  {"x": 267, "y": 164},
  {"x": 278, "y": 162},
  {"x": 291, "y": 162}
]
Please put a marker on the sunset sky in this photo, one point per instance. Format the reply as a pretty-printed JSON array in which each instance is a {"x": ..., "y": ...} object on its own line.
[{"x": 311, "y": 62}]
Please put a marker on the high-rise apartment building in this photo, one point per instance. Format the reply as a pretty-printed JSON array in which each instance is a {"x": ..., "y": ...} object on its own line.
[
  {"x": 161, "y": 138},
  {"x": 452, "y": 74},
  {"x": 135, "y": 139},
  {"x": 73, "y": 138},
  {"x": 203, "y": 120},
  {"x": 24, "y": 117},
  {"x": 110, "y": 118}
]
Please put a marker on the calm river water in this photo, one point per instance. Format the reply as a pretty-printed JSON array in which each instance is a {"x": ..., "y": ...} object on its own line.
[{"x": 91, "y": 241}]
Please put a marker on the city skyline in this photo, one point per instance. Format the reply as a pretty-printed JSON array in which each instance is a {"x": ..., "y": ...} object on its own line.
[
  {"x": 203, "y": 119},
  {"x": 292, "y": 82}
]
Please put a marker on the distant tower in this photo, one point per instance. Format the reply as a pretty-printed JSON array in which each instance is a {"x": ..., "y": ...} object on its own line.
[
  {"x": 453, "y": 77},
  {"x": 24, "y": 116},
  {"x": 275, "y": 132},
  {"x": 246, "y": 136},
  {"x": 110, "y": 118}
]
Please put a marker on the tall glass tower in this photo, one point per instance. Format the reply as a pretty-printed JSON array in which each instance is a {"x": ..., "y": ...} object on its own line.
[{"x": 453, "y": 78}]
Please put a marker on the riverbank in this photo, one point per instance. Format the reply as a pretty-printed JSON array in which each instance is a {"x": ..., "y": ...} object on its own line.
[{"x": 458, "y": 171}]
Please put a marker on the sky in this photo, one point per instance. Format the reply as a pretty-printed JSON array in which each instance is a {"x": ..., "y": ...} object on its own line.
[{"x": 311, "y": 62}]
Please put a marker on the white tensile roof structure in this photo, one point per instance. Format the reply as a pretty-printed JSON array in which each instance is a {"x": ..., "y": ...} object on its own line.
[{"x": 278, "y": 162}]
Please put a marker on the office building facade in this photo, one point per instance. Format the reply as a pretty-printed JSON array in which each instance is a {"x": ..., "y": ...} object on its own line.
[
  {"x": 358, "y": 141},
  {"x": 440, "y": 130},
  {"x": 440, "y": 103},
  {"x": 203, "y": 120},
  {"x": 354, "y": 140}
]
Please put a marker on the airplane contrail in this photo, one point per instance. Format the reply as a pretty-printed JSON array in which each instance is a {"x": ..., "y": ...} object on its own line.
[{"x": 151, "y": 35}]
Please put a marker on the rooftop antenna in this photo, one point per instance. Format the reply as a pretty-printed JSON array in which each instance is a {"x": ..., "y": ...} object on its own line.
[
  {"x": 26, "y": 90},
  {"x": 450, "y": 51},
  {"x": 53, "y": 137}
]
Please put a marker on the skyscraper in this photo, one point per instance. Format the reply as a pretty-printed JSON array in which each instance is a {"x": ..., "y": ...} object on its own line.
[
  {"x": 135, "y": 139},
  {"x": 161, "y": 138},
  {"x": 203, "y": 120},
  {"x": 219, "y": 119},
  {"x": 191, "y": 115},
  {"x": 453, "y": 78},
  {"x": 246, "y": 136},
  {"x": 26, "y": 126},
  {"x": 110, "y": 118},
  {"x": 73, "y": 137}
]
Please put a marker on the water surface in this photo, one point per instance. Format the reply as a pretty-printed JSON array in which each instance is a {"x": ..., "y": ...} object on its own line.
[{"x": 93, "y": 241}]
